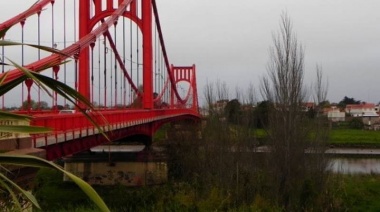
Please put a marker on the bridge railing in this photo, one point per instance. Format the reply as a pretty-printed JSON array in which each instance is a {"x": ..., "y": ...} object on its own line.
[{"x": 72, "y": 126}]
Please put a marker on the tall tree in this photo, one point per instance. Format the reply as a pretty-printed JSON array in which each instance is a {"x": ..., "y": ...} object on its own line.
[
  {"x": 43, "y": 105},
  {"x": 221, "y": 90},
  {"x": 348, "y": 101},
  {"x": 320, "y": 88},
  {"x": 28, "y": 105},
  {"x": 210, "y": 97},
  {"x": 292, "y": 171}
]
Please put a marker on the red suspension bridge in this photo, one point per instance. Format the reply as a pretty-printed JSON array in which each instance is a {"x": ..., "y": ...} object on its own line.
[{"x": 110, "y": 51}]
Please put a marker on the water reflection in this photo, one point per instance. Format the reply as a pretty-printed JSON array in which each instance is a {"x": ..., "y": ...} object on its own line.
[{"x": 355, "y": 165}]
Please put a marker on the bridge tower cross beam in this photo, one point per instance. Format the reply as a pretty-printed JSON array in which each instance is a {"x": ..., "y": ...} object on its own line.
[{"x": 147, "y": 40}]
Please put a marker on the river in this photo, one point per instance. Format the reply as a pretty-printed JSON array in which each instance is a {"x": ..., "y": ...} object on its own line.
[
  {"x": 343, "y": 160},
  {"x": 355, "y": 165},
  {"x": 354, "y": 160}
]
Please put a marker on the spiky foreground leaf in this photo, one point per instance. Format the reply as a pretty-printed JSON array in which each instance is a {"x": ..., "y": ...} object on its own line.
[
  {"x": 27, "y": 160},
  {"x": 26, "y": 194}
]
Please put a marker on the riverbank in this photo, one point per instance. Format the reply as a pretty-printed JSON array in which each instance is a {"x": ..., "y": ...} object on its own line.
[
  {"x": 203, "y": 176},
  {"x": 350, "y": 193},
  {"x": 359, "y": 192},
  {"x": 352, "y": 152}
]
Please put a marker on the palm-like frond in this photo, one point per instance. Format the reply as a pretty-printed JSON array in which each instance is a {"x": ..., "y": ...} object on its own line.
[
  {"x": 6, "y": 115},
  {"x": 2, "y": 33},
  {"x": 13, "y": 43},
  {"x": 60, "y": 88},
  {"x": 4, "y": 181},
  {"x": 23, "y": 129},
  {"x": 27, "y": 160},
  {"x": 19, "y": 128}
]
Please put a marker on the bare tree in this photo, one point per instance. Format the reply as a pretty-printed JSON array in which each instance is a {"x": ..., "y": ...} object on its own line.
[
  {"x": 238, "y": 93},
  {"x": 209, "y": 95},
  {"x": 285, "y": 69},
  {"x": 320, "y": 88},
  {"x": 222, "y": 90},
  {"x": 251, "y": 95},
  {"x": 292, "y": 171}
]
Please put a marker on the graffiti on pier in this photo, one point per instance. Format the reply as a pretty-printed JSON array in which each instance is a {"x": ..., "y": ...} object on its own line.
[{"x": 125, "y": 173}]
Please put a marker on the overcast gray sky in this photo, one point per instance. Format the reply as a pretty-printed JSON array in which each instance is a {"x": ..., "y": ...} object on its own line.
[{"x": 229, "y": 40}]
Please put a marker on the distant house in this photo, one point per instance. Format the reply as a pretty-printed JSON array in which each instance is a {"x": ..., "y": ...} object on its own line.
[
  {"x": 220, "y": 105},
  {"x": 334, "y": 114},
  {"x": 365, "y": 111},
  {"x": 359, "y": 110},
  {"x": 306, "y": 106},
  {"x": 377, "y": 108}
]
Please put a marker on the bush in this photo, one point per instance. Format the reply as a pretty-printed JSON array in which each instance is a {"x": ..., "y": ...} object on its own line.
[
  {"x": 52, "y": 193},
  {"x": 356, "y": 123}
]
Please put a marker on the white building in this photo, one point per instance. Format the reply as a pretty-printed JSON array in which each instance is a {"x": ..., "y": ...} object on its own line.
[
  {"x": 366, "y": 111},
  {"x": 335, "y": 115}
]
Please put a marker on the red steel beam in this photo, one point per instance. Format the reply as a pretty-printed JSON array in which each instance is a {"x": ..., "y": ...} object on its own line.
[
  {"x": 147, "y": 54},
  {"x": 34, "y": 9},
  {"x": 84, "y": 63},
  {"x": 85, "y": 42}
]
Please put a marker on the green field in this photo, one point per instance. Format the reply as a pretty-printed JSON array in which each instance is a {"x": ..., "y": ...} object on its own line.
[
  {"x": 354, "y": 138},
  {"x": 345, "y": 137}
]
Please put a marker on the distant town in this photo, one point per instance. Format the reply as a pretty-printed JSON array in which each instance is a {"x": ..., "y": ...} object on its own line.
[{"x": 366, "y": 115}]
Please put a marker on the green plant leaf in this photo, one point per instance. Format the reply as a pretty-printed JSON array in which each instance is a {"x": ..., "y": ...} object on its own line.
[
  {"x": 3, "y": 76},
  {"x": 6, "y": 116},
  {"x": 72, "y": 96},
  {"x": 3, "y": 32},
  {"x": 29, "y": 74},
  {"x": 12, "y": 128},
  {"x": 14, "y": 43},
  {"x": 2, "y": 63},
  {"x": 4, "y": 88},
  {"x": 27, "y": 194},
  {"x": 24, "y": 129},
  {"x": 27, "y": 160},
  {"x": 62, "y": 89},
  {"x": 10, "y": 191}
]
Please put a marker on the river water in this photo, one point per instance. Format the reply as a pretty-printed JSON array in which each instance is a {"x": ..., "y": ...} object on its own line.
[
  {"x": 343, "y": 160},
  {"x": 355, "y": 165},
  {"x": 354, "y": 160}
]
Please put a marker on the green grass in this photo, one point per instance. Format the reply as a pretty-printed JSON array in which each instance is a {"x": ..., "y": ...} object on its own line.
[
  {"x": 160, "y": 135},
  {"x": 353, "y": 137},
  {"x": 345, "y": 137},
  {"x": 361, "y": 192},
  {"x": 260, "y": 133},
  {"x": 351, "y": 193}
]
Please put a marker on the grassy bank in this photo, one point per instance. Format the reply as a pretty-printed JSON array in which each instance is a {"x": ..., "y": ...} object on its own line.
[
  {"x": 360, "y": 192},
  {"x": 350, "y": 193},
  {"x": 355, "y": 138},
  {"x": 345, "y": 137}
]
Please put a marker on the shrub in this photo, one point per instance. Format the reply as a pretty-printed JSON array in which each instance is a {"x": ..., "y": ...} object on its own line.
[{"x": 356, "y": 123}]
